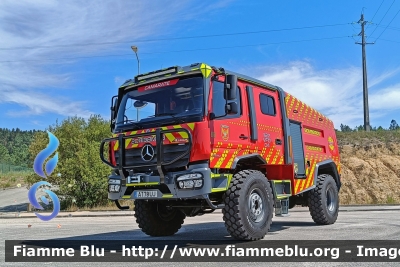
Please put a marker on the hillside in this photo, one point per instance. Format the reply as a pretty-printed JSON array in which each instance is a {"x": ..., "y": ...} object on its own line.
[
  {"x": 370, "y": 167},
  {"x": 14, "y": 146}
]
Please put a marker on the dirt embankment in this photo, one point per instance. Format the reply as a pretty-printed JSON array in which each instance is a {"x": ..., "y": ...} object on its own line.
[{"x": 370, "y": 170}]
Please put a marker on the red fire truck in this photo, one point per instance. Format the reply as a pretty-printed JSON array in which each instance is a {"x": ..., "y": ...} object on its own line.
[{"x": 190, "y": 140}]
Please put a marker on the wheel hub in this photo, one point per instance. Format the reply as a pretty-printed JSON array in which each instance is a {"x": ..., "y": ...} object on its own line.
[
  {"x": 331, "y": 201},
  {"x": 256, "y": 208},
  {"x": 165, "y": 213}
]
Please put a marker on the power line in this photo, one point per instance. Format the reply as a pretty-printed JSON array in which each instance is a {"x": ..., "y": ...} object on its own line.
[
  {"x": 375, "y": 13},
  {"x": 387, "y": 25},
  {"x": 175, "y": 38},
  {"x": 382, "y": 18},
  {"x": 390, "y": 41},
  {"x": 179, "y": 51},
  {"x": 390, "y": 28}
]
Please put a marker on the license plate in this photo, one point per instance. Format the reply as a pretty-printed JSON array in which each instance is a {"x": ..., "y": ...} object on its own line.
[{"x": 145, "y": 194}]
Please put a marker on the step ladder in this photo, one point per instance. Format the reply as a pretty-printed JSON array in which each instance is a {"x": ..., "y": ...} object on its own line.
[{"x": 282, "y": 190}]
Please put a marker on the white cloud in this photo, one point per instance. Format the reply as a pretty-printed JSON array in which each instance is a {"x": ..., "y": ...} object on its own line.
[
  {"x": 383, "y": 77},
  {"x": 336, "y": 92},
  {"x": 386, "y": 99},
  {"x": 49, "y": 27}
]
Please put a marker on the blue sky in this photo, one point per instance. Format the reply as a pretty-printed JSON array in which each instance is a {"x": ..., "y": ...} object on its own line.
[{"x": 66, "y": 58}]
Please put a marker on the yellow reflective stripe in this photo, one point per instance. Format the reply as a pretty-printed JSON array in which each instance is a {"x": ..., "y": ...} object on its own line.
[
  {"x": 222, "y": 158},
  {"x": 167, "y": 195},
  {"x": 191, "y": 126},
  {"x": 126, "y": 196},
  {"x": 216, "y": 176},
  {"x": 142, "y": 184},
  {"x": 282, "y": 197},
  {"x": 214, "y": 190},
  {"x": 170, "y": 137},
  {"x": 183, "y": 134},
  {"x": 297, "y": 186},
  {"x": 127, "y": 142}
]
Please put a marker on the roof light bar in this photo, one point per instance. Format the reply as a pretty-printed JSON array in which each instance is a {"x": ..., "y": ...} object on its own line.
[{"x": 156, "y": 74}]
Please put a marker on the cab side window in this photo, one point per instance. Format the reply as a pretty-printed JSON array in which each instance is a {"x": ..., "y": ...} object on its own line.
[
  {"x": 267, "y": 104},
  {"x": 218, "y": 101}
]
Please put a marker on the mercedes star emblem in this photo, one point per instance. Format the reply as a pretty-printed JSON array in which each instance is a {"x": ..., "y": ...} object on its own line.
[{"x": 147, "y": 152}]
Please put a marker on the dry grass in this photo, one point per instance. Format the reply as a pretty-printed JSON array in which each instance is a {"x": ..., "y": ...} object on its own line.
[
  {"x": 362, "y": 137},
  {"x": 13, "y": 179},
  {"x": 110, "y": 206}
]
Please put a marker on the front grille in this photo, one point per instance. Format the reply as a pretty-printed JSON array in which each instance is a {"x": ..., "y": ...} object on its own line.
[{"x": 170, "y": 152}]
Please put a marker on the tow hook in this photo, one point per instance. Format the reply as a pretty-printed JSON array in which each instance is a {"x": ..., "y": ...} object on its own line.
[{"x": 121, "y": 207}]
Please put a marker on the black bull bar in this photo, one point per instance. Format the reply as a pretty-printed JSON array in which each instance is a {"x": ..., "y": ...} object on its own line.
[{"x": 159, "y": 133}]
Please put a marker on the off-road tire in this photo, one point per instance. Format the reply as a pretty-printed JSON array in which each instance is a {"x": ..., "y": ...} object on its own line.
[
  {"x": 154, "y": 220},
  {"x": 323, "y": 200},
  {"x": 292, "y": 202},
  {"x": 240, "y": 221}
]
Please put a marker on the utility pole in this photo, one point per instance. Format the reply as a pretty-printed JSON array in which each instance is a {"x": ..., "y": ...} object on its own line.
[{"x": 367, "y": 126}]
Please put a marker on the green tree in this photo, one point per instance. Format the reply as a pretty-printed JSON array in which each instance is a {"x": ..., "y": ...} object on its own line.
[
  {"x": 359, "y": 128},
  {"x": 80, "y": 174},
  {"x": 393, "y": 125},
  {"x": 345, "y": 128},
  {"x": 17, "y": 143},
  {"x": 4, "y": 156}
]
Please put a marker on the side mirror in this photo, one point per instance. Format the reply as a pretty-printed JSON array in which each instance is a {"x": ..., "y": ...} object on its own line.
[
  {"x": 113, "y": 110},
  {"x": 140, "y": 104},
  {"x": 230, "y": 87},
  {"x": 231, "y": 108}
]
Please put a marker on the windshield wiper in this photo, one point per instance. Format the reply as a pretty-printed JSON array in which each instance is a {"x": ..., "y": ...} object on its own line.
[
  {"x": 173, "y": 115},
  {"x": 129, "y": 124}
]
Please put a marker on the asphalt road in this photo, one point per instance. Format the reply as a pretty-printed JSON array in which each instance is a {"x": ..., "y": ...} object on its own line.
[
  {"x": 362, "y": 223},
  {"x": 14, "y": 199}
]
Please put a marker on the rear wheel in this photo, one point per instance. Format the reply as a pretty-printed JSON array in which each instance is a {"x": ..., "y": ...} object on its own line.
[
  {"x": 248, "y": 207},
  {"x": 292, "y": 202},
  {"x": 323, "y": 200},
  {"x": 155, "y": 219}
]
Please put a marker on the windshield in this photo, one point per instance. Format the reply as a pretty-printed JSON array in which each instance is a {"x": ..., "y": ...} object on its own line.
[{"x": 177, "y": 100}]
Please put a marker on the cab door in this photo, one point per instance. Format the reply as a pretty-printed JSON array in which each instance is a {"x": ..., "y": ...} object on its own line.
[
  {"x": 269, "y": 125},
  {"x": 229, "y": 134}
]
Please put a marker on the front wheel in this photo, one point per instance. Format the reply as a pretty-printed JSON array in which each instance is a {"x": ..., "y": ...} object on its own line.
[
  {"x": 156, "y": 219},
  {"x": 323, "y": 200},
  {"x": 248, "y": 207}
]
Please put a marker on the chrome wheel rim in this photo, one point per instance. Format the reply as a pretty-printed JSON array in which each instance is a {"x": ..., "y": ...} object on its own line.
[
  {"x": 331, "y": 200},
  {"x": 256, "y": 207}
]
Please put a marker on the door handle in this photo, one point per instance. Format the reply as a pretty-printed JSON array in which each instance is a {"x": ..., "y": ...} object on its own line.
[
  {"x": 278, "y": 141},
  {"x": 242, "y": 136}
]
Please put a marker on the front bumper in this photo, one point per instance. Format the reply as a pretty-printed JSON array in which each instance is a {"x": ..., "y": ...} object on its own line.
[{"x": 166, "y": 188}]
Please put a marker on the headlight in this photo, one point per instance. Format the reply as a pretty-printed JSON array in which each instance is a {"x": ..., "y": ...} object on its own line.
[
  {"x": 113, "y": 188},
  {"x": 190, "y": 176},
  {"x": 198, "y": 183},
  {"x": 190, "y": 181},
  {"x": 114, "y": 181}
]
